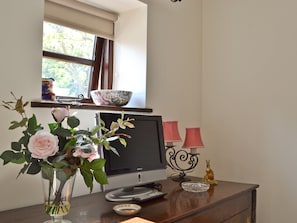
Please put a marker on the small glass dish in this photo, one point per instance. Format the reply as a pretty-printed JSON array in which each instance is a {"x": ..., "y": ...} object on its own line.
[
  {"x": 193, "y": 186},
  {"x": 127, "y": 209}
]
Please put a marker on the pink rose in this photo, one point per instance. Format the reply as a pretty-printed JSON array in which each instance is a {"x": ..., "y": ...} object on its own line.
[
  {"x": 89, "y": 153},
  {"x": 59, "y": 114},
  {"x": 93, "y": 156},
  {"x": 43, "y": 144}
]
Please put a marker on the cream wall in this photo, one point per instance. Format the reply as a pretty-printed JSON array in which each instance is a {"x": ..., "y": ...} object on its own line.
[
  {"x": 175, "y": 60},
  {"x": 249, "y": 104},
  {"x": 173, "y": 82},
  {"x": 131, "y": 54}
]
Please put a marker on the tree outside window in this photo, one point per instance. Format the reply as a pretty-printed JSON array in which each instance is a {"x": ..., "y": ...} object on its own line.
[{"x": 75, "y": 60}]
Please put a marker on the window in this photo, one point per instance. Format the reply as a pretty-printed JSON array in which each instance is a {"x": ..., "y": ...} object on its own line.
[
  {"x": 125, "y": 27},
  {"x": 78, "y": 61}
]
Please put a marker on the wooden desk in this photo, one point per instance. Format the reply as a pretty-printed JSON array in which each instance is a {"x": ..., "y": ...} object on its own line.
[{"x": 227, "y": 202}]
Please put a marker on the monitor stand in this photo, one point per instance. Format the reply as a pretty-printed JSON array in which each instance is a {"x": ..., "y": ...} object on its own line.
[{"x": 128, "y": 193}]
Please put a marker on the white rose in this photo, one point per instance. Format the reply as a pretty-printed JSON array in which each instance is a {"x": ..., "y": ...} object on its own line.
[
  {"x": 59, "y": 114},
  {"x": 43, "y": 144}
]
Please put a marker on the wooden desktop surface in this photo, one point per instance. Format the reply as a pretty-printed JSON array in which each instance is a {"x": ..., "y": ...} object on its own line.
[{"x": 227, "y": 200}]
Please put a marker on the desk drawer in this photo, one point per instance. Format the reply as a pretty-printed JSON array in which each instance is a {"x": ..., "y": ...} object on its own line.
[{"x": 233, "y": 210}]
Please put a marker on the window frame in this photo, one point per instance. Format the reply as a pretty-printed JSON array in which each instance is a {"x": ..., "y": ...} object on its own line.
[{"x": 101, "y": 76}]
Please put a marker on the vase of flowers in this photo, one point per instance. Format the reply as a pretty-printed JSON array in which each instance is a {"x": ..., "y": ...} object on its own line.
[
  {"x": 57, "y": 188},
  {"x": 60, "y": 151}
]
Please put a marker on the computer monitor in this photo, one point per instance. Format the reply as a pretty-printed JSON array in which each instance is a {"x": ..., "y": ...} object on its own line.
[{"x": 142, "y": 162}]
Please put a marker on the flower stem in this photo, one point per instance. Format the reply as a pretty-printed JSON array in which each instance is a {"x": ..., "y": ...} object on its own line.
[{"x": 54, "y": 206}]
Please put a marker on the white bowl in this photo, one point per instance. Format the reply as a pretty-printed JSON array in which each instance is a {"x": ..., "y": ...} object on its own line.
[
  {"x": 111, "y": 97},
  {"x": 193, "y": 186},
  {"x": 127, "y": 209}
]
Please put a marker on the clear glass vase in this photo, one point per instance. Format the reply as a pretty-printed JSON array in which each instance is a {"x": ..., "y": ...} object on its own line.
[{"x": 57, "y": 190}]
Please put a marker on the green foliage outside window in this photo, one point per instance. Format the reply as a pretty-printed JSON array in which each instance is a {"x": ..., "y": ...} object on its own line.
[{"x": 71, "y": 79}]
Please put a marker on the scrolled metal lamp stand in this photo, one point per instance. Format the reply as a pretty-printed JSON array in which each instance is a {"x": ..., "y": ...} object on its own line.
[{"x": 176, "y": 157}]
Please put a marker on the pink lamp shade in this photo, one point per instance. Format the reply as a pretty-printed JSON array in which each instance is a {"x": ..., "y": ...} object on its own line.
[
  {"x": 171, "y": 133},
  {"x": 193, "y": 138}
]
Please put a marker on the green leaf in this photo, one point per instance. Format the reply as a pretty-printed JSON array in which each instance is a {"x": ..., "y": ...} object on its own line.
[
  {"x": 121, "y": 123},
  {"x": 97, "y": 164},
  {"x": 23, "y": 170},
  {"x": 16, "y": 146},
  {"x": 34, "y": 168},
  {"x": 5, "y": 106},
  {"x": 114, "y": 126},
  {"x": 88, "y": 176},
  {"x": 52, "y": 126},
  {"x": 95, "y": 130},
  {"x": 15, "y": 124},
  {"x": 9, "y": 156},
  {"x": 19, "y": 106},
  {"x": 26, "y": 103},
  {"x": 114, "y": 150},
  {"x": 73, "y": 122},
  {"x": 129, "y": 124},
  {"x": 123, "y": 142},
  {"x": 97, "y": 167},
  {"x": 100, "y": 177},
  {"x": 62, "y": 132},
  {"x": 32, "y": 125},
  {"x": 27, "y": 156},
  {"x": 106, "y": 145},
  {"x": 96, "y": 141},
  {"x": 32, "y": 121},
  {"x": 47, "y": 172},
  {"x": 25, "y": 139}
]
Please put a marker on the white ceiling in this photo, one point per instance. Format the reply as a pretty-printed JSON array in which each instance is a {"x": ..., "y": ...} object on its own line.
[{"x": 118, "y": 6}]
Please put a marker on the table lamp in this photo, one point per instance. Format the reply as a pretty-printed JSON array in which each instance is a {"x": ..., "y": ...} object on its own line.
[
  {"x": 193, "y": 140},
  {"x": 180, "y": 160},
  {"x": 171, "y": 133}
]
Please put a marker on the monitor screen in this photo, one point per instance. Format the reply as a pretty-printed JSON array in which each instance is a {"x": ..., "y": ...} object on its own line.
[{"x": 143, "y": 160}]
